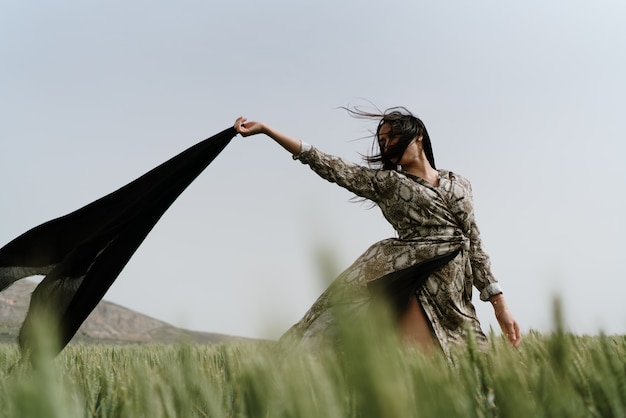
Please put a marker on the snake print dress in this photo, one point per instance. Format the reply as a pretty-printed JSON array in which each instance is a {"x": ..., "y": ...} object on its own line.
[{"x": 430, "y": 221}]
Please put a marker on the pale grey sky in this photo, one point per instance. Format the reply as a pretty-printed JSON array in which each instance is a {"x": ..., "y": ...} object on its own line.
[{"x": 526, "y": 100}]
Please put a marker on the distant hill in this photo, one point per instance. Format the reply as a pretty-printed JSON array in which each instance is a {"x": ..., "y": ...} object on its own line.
[{"x": 108, "y": 323}]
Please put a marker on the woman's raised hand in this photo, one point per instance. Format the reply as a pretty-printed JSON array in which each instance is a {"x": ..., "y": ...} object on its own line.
[{"x": 246, "y": 128}]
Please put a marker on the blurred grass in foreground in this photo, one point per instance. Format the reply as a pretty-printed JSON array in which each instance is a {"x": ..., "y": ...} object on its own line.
[{"x": 369, "y": 375}]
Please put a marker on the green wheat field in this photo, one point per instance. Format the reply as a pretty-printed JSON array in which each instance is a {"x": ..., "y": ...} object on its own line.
[{"x": 370, "y": 374}]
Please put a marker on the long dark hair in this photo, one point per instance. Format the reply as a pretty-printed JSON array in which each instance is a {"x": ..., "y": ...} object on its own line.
[{"x": 402, "y": 125}]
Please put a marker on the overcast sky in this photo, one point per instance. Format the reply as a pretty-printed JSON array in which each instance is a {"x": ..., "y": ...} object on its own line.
[{"x": 525, "y": 99}]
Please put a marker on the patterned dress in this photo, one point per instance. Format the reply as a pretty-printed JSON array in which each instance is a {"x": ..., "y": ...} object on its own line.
[{"x": 430, "y": 221}]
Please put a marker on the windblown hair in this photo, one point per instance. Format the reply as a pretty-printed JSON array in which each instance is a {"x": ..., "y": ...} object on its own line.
[{"x": 404, "y": 126}]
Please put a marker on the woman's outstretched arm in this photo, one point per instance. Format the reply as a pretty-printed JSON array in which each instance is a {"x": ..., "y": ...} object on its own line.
[
  {"x": 247, "y": 128},
  {"x": 363, "y": 181}
]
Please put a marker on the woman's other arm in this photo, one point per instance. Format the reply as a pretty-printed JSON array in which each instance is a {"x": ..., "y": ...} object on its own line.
[
  {"x": 484, "y": 280},
  {"x": 505, "y": 318}
]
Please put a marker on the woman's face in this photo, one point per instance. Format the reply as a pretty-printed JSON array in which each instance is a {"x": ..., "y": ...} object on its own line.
[
  {"x": 384, "y": 140},
  {"x": 386, "y": 143}
]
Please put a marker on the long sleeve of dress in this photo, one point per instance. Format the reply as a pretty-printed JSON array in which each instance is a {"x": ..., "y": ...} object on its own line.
[
  {"x": 362, "y": 181},
  {"x": 482, "y": 276}
]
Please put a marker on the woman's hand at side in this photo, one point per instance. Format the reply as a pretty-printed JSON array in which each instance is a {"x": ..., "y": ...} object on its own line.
[{"x": 507, "y": 322}]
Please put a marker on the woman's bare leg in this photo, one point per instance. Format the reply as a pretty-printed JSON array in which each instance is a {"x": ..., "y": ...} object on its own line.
[{"x": 414, "y": 327}]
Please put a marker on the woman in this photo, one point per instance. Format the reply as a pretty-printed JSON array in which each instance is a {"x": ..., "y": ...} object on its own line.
[{"x": 428, "y": 271}]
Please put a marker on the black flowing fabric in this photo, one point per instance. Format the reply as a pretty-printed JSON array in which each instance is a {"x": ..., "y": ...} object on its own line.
[{"x": 82, "y": 253}]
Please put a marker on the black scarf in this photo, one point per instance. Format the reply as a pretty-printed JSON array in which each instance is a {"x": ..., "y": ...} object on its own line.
[{"x": 82, "y": 253}]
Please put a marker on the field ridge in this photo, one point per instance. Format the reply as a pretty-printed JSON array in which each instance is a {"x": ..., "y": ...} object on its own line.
[{"x": 108, "y": 323}]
